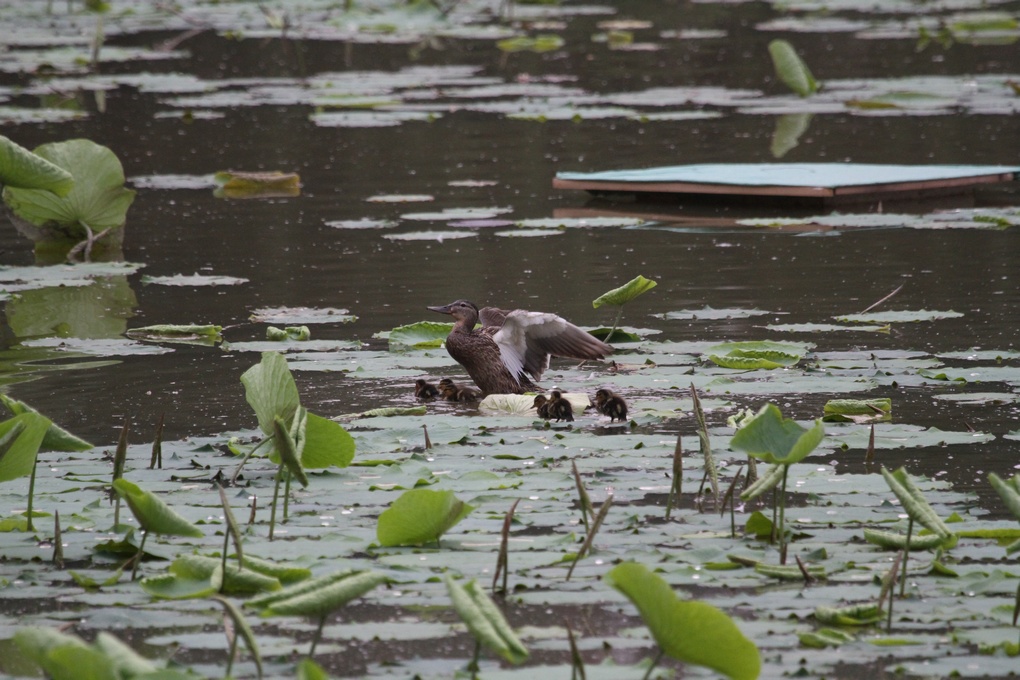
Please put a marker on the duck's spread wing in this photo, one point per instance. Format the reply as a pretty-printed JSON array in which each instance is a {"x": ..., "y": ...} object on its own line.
[
  {"x": 492, "y": 316},
  {"x": 527, "y": 340}
]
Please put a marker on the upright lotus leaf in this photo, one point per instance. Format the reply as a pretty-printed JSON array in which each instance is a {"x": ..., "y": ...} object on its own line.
[
  {"x": 23, "y": 169},
  {"x": 692, "y": 632},
  {"x": 327, "y": 444},
  {"x": 125, "y": 660},
  {"x": 420, "y": 516},
  {"x": 914, "y": 502},
  {"x": 56, "y": 438},
  {"x": 625, "y": 293},
  {"x": 20, "y": 439},
  {"x": 152, "y": 513},
  {"x": 287, "y": 447},
  {"x": 484, "y": 620},
  {"x": 1009, "y": 492},
  {"x": 247, "y": 634},
  {"x": 791, "y": 69},
  {"x": 98, "y": 197},
  {"x": 271, "y": 391},
  {"x": 774, "y": 439}
]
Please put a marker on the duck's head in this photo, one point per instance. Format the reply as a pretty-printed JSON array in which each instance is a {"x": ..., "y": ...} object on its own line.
[
  {"x": 460, "y": 310},
  {"x": 540, "y": 400}
]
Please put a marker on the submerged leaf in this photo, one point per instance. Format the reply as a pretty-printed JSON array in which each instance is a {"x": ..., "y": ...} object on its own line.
[
  {"x": 236, "y": 184},
  {"x": 692, "y": 632},
  {"x": 420, "y": 516}
]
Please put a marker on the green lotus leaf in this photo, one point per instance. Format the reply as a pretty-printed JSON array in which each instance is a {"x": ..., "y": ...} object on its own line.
[
  {"x": 320, "y": 602},
  {"x": 1008, "y": 490},
  {"x": 692, "y": 632},
  {"x": 98, "y": 197},
  {"x": 20, "y": 439},
  {"x": 774, "y": 439},
  {"x": 289, "y": 447},
  {"x": 271, "y": 391},
  {"x": 152, "y": 513},
  {"x": 421, "y": 335},
  {"x": 484, "y": 620},
  {"x": 327, "y": 444},
  {"x": 420, "y": 516},
  {"x": 914, "y": 502},
  {"x": 895, "y": 541},
  {"x": 22, "y": 169},
  {"x": 625, "y": 293},
  {"x": 56, "y": 438},
  {"x": 791, "y": 69}
]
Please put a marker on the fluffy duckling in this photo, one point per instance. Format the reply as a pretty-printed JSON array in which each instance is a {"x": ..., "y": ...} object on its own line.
[
  {"x": 608, "y": 403},
  {"x": 512, "y": 348},
  {"x": 451, "y": 391},
  {"x": 542, "y": 406},
  {"x": 425, "y": 391},
  {"x": 559, "y": 408}
]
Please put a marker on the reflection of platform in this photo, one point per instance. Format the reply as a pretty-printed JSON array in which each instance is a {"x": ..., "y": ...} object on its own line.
[{"x": 828, "y": 182}]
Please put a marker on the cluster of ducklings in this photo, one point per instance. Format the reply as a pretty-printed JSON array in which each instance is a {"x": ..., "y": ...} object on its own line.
[
  {"x": 554, "y": 407},
  {"x": 447, "y": 389}
]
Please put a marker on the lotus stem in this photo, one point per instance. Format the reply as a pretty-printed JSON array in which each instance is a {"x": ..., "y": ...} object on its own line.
[
  {"x": 276, "y": 496},
  {"x": 232, "y": 654},
  {"x": 286, "y": 496},
  {"x": 473, "y": 664},
  {"x": 233, "y": 477},
  {"x": 616, "y": 323},
  {"x": 31, "y": 494},
  {"x": 906, "y": 556},
  {"x": 58, "y": 541},
  {"x": 782, "y": 518},
  {"x": 655, "y": 662},
  {"x": 138, "y": 556},
  {"x": 678, "y": 469},
  {"x": 318, "y": 636}
]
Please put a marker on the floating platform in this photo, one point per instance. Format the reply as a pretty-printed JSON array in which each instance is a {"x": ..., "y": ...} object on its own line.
[{"x": 826, "y": 182}]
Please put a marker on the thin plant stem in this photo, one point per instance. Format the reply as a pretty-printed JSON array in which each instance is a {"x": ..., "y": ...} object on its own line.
[
  {"x": 906, "y": 556},
  {"x": 58, "y": 541},
  {"x": 678, "y": 470},
  {"x": 31, "y": 494},
  {"x": 616, "y": 324},
  {"x": 655, "y": 662},
  {"x": 286, "y": 496},
  {"x": 232, "y": 654},
  {"x": 782, "y": 518},
  {"x": 318, "y": 635},
  {"x": 473, "y": 664},
  {"x": 233, "y": 477},
  {"x": 138, "y": 556},
  {"x": 276, "y": 496}
]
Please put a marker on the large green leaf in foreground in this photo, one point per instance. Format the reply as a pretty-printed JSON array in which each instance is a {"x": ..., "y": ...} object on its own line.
[
  {"x": 692, "y": 632},
  {"x": 486, "y": 623},
  {"x": 420, "y": 516},
  {"x": 98, "y": 198},
  {"x": 23, "y": 169},
  {"x": 20, "y": 438},
  {"x": 57, "y": 438}
]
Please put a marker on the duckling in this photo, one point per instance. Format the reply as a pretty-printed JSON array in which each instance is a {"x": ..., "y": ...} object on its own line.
[
  {"x": 559, "y": 408},
  {"x": 425, "y": 391},
  {"x": 451, "y": 391},
  {"x": 542, "y": 406},
  {"x": 513, "y": 348},
  {"x": 610, "y": 404}
]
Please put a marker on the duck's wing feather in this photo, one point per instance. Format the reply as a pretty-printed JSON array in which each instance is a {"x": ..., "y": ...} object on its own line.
[
  {"x": 527, "y": 340},
  {"x": 492, "y": 317}
]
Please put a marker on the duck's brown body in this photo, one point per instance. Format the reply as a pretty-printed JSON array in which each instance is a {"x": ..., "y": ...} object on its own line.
[{"x": 512, "y": 349}]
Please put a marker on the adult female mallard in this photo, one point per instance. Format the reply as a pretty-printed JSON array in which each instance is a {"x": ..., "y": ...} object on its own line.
[
  {"x": 608, "y": 403},
  {"x": 513, "y": 348}
]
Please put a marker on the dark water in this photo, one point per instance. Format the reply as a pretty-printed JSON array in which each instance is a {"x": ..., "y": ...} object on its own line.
[{"x": 293, "y": 258}]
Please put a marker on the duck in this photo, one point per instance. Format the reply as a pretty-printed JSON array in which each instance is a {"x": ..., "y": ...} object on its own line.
[
  {"x": 559, "y": 408},
  {"x": 542, "y": 406},
  {"x": 452, "y": 391},
  {"x": 608, "y": 403},
  {"x": 425, "y": 390},
  {"x": 512, "y": 349}
]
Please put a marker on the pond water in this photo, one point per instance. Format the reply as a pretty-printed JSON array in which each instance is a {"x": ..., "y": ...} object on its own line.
[{"x": 425, "y": 150}]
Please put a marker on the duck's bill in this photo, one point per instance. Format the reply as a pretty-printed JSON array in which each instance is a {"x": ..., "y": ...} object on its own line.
[{"x": 444, "y": 309}]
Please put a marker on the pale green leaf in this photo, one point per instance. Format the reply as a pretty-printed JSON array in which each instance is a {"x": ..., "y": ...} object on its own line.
[
  {"x": 57, "y": 438},
  {"x": 914, "y": 502},
  {"x": 791, "y": 69},
  {"x": 152, "y": 513},
  {"x": 23, "y": 169},
  {"x": 322, "y": 601},
  {"x": 625, "y": 293},
  {"x": 775, "y": 439},
  {"x": 20, "y": 438},
  {"x": 327, "y": 444},
  {"x": 271, "y": 391},
  {"x": 420, "y": 516},
  {"x": 484, "y": 620},
  {"x": 692, "y": 632}
]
